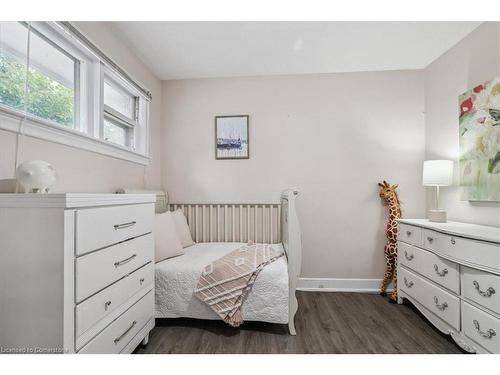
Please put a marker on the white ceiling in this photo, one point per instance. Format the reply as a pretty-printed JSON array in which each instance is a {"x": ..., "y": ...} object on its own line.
[{"x": 179, "y": 50}]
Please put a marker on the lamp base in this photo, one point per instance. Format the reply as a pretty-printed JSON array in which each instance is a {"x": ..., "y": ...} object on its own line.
[{"x": 437, "y": 216}]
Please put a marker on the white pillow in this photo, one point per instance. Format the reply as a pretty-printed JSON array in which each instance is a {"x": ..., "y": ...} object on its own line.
[
  {"x": 167, "y": 244},
  {"x": 182, "y": 228}
]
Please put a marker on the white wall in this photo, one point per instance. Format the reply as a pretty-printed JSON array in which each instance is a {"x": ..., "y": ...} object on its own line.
[
  {"x": 473, "y": 60},
  {"x": 333, "y": 135},
  {"x": 84, "y": 171}
]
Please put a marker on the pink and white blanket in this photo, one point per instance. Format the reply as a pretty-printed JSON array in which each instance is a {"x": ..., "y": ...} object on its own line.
[{"x": 224, "y": 283}]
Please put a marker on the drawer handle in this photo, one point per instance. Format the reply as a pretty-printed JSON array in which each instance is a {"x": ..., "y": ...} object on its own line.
[
  {"x": 122, "y": 262},
  {"x": 408, "y": 233},
  {"x": 453, "y": 242},
  {"x": 488, "y": 292},
  {"x": 141, "y": 280},
  {"x": 441, "y": 273},
  {"x": 488, "y": 334},
  {"x": 441, "y": 306},
  {"x": 124, "y": 333},
  {"x": 124, "y": 225},
  {"x": 408, "y": 284},
  {"x": 107, "y": 304},
  {"x": 408, "y": 257},
  {"x": 430, "y": 239}
]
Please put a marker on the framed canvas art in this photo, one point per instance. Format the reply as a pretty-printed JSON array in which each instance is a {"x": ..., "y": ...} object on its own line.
[
  {"x": 231, "y": 137},
  {"x": 479, "y": 132}
]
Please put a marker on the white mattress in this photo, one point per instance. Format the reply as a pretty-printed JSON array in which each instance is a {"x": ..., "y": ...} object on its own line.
[{"x": 177, "y": 277}]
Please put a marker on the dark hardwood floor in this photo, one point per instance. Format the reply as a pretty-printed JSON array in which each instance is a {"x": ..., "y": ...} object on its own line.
[{"x": 350, "y": 323}]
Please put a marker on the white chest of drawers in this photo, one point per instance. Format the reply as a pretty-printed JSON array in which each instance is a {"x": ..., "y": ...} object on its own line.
[
  {"x": 76, "y": 272},
  {"x": 451, "y": 273}
]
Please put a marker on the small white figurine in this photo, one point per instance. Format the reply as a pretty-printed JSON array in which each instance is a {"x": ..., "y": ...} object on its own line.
[{"x": 36, "y": 176}]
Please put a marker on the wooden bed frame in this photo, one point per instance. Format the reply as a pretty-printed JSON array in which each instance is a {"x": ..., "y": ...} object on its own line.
[{"x": 263, "y": 222}]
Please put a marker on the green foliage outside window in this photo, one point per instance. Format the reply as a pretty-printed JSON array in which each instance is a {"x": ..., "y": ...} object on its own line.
[{"x": 47, "y": 99}]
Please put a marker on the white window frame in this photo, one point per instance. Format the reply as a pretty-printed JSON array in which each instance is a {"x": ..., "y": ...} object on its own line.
[{"x": 89, "y": 111}]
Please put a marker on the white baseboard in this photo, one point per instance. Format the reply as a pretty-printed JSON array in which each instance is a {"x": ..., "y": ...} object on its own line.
[{"x": 340, "y": 285}]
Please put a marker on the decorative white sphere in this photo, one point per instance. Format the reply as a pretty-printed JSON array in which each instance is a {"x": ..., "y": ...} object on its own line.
[{"x": 36, "y": 176}]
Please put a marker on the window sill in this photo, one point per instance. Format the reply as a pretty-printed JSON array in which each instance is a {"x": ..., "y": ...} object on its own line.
[{"x": 68, "y": 137}]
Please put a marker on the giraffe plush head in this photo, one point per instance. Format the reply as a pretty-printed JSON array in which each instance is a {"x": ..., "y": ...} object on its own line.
[{"x": 387, "y": 191}]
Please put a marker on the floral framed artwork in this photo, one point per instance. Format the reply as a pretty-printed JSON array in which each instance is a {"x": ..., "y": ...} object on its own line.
[
  {"x": 231, "y": 137},
  {"x": 479, "y": 133}
]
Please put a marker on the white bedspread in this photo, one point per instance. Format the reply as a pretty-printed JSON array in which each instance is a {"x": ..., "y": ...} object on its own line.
[{"x": 176, "y": 279}]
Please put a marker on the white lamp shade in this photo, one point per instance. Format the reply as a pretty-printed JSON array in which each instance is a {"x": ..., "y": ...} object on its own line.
[{"x": 438, "y": 173}]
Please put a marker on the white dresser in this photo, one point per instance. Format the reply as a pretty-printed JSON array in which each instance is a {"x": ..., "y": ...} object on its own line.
[
  {"x": 76, "y": 272},
  {"x": 451, "y": 273}
]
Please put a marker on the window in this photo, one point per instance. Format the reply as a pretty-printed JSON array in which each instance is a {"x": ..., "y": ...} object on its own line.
[
  {"x": 51, "y": 76},
  {"x": 121, "y": 113},
  {"x": 116, "y": 133},
  {"x": 74, "y": 94},
  {"x": 119, "y": 100}
]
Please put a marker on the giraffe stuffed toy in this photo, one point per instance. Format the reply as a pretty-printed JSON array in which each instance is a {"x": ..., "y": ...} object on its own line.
[{"x": 389, "y": 195}]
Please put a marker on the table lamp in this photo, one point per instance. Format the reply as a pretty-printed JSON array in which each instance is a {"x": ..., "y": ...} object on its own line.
[{"x": 437, "y": 173}]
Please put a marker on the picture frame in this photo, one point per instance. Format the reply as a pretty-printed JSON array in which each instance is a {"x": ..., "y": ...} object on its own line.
[
  {"x": 479, "y": 158},
  {"x": 232, "y": 137}
]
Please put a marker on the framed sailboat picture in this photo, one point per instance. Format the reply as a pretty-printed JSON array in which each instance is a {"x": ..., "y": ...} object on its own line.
[{"x": 231, "y": 137}]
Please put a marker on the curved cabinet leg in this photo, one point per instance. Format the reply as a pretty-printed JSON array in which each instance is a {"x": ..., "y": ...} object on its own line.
[
  {"x": 291, "y": 327},
  {"x": 292, "y": 310},
  {"x": 145, "y": 340}
]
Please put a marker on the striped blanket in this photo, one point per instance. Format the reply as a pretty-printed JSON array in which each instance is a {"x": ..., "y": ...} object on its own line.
[{"x": 224, "y": 283}]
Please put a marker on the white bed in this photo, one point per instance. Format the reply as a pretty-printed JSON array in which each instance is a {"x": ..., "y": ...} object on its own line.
[
  {"x": 177, "y": 277},
  {"x": 272, "y": 297}
]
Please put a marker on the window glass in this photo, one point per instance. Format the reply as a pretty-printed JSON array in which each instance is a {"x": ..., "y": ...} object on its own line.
[
  {"x": 115, "y": 133},
  {"x": 51, "y": 77},
  {"x": 120, "y": 100}
]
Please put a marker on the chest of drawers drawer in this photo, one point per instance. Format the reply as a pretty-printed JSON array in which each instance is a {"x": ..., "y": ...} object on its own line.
[
  {"x": 464, "y": 249},
  {"x": 440, "y": 302},
  {"x": 104, "y": 303},
  {"x": 119, "y": 333},
  {"x": 98, "y": 270},
  {"x": 481, "y": 287},
  {"x": 481, "y": 327},
  {"x": 410, "y": 234},
  {"x": 103, "y": 226},
  {"x": 439, "y": 270}
]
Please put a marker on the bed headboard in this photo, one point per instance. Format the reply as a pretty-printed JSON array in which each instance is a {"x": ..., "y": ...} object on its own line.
[{"x": 232, "y": 222}]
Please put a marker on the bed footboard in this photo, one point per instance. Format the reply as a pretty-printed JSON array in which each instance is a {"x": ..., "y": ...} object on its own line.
[{"x": 292, "y": 243}]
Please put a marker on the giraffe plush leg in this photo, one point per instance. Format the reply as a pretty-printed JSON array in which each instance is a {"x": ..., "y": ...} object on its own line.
[
  {"x": 394, "y": 294},
  {"x": 389, "y": 270}
]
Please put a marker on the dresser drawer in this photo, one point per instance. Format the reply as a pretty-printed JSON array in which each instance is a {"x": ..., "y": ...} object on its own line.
[
  {"x": 481, "y": 327},
  {"x": 481, "y": 287},
  {"x": 100, "y": 227},
  {"x": 435, "y": 241},
  {"x": 97, "y": 307},
  {"x": 98, "y": 270},
  {"x": 473, "y": 251},
  {"x": 435, "y": 299},
  {"x": 410, "y": 234},
  {"x": 119, "y": 333},
  {"x": 442, "y": 271}
]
